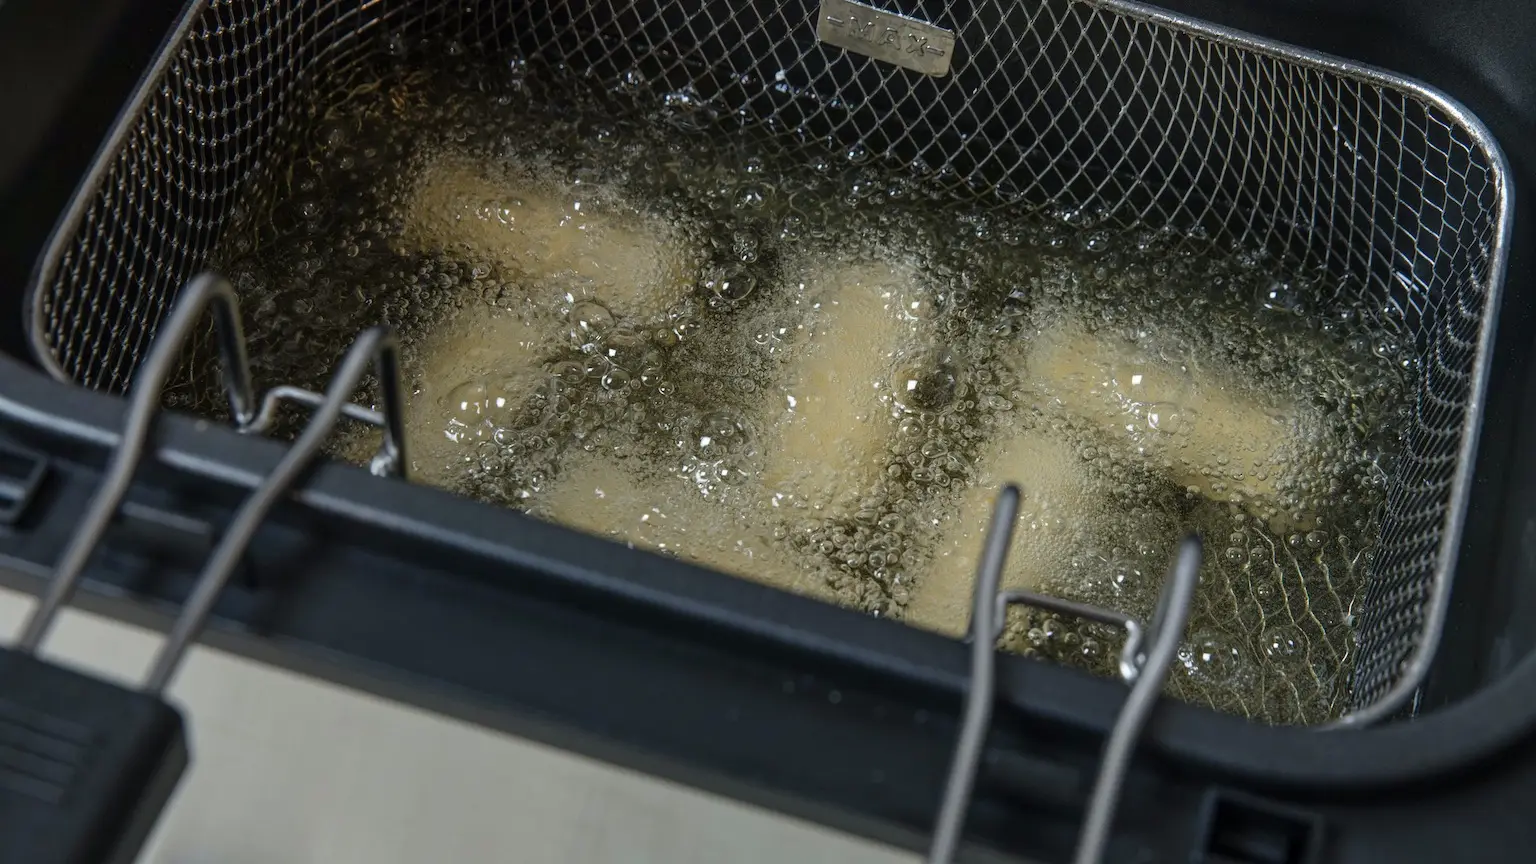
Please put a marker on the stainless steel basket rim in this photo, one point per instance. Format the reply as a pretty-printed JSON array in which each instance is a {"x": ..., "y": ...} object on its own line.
[{"x": 1413, "y": 670}]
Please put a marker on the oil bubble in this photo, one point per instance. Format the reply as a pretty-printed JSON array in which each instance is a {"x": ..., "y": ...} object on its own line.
[
  {"x": 1210, "y": 658},
  {"x": 1278, "y": 295},
  {"x": 466, "y": 403},
  {"x": 589, "y": 319},
  {"x": 1097, "y": 241},
  {"x": 751, "y": 197},
  {"x": 1166, "y": 417},
  {"x": 733, "y": 287},
  {"x": 745, "y": 246},
  {"x": 1283, "y": 641},
  {"x": 928, "y": 386},
  {"x": 615, "y": 379}
]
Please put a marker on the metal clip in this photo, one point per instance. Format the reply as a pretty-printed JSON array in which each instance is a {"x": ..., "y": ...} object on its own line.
[
  {"x": 1145, "y": 672},
  {"x": 376, "y": 346},
  {"x": 210, "y": 288}
]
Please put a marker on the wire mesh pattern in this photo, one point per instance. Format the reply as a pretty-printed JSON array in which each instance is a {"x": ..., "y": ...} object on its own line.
[{"x": 1095, "y": 112}]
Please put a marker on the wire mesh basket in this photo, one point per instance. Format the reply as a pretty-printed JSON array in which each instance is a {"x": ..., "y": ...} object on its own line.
[{"x": 1132, "y": 115}]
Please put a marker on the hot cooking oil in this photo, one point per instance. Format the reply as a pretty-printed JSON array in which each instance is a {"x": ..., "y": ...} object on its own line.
[{"x": 627, "y": 311}]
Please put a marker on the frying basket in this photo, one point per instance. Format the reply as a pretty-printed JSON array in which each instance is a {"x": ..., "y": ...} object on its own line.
[{"x": 1116, "y": 112}]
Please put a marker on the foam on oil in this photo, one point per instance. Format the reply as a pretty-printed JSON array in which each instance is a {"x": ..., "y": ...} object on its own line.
[{"x": 630, "y": 313}]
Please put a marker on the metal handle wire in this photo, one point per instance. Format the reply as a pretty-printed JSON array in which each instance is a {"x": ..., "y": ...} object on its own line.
[
  {"x": 204, "y": 292},
  {"x": 376, "y": 345},
  {"x": 201, "y": 293},
  {"x": 1144, "y": 672}
]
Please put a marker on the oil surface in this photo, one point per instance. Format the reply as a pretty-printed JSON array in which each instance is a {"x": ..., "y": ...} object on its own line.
[{"x": 629, "y": 312}]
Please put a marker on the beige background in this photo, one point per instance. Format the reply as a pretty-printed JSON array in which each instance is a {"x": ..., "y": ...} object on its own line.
[{"x": 293, "y": 771}]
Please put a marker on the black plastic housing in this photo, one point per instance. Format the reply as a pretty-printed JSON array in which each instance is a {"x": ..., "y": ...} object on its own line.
[
  {"x": 85, "y": 766},
  {"x": 775, "y": 699}
]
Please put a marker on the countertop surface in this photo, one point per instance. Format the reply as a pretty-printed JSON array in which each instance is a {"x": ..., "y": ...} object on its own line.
[{"x": 286, "y": 769}]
